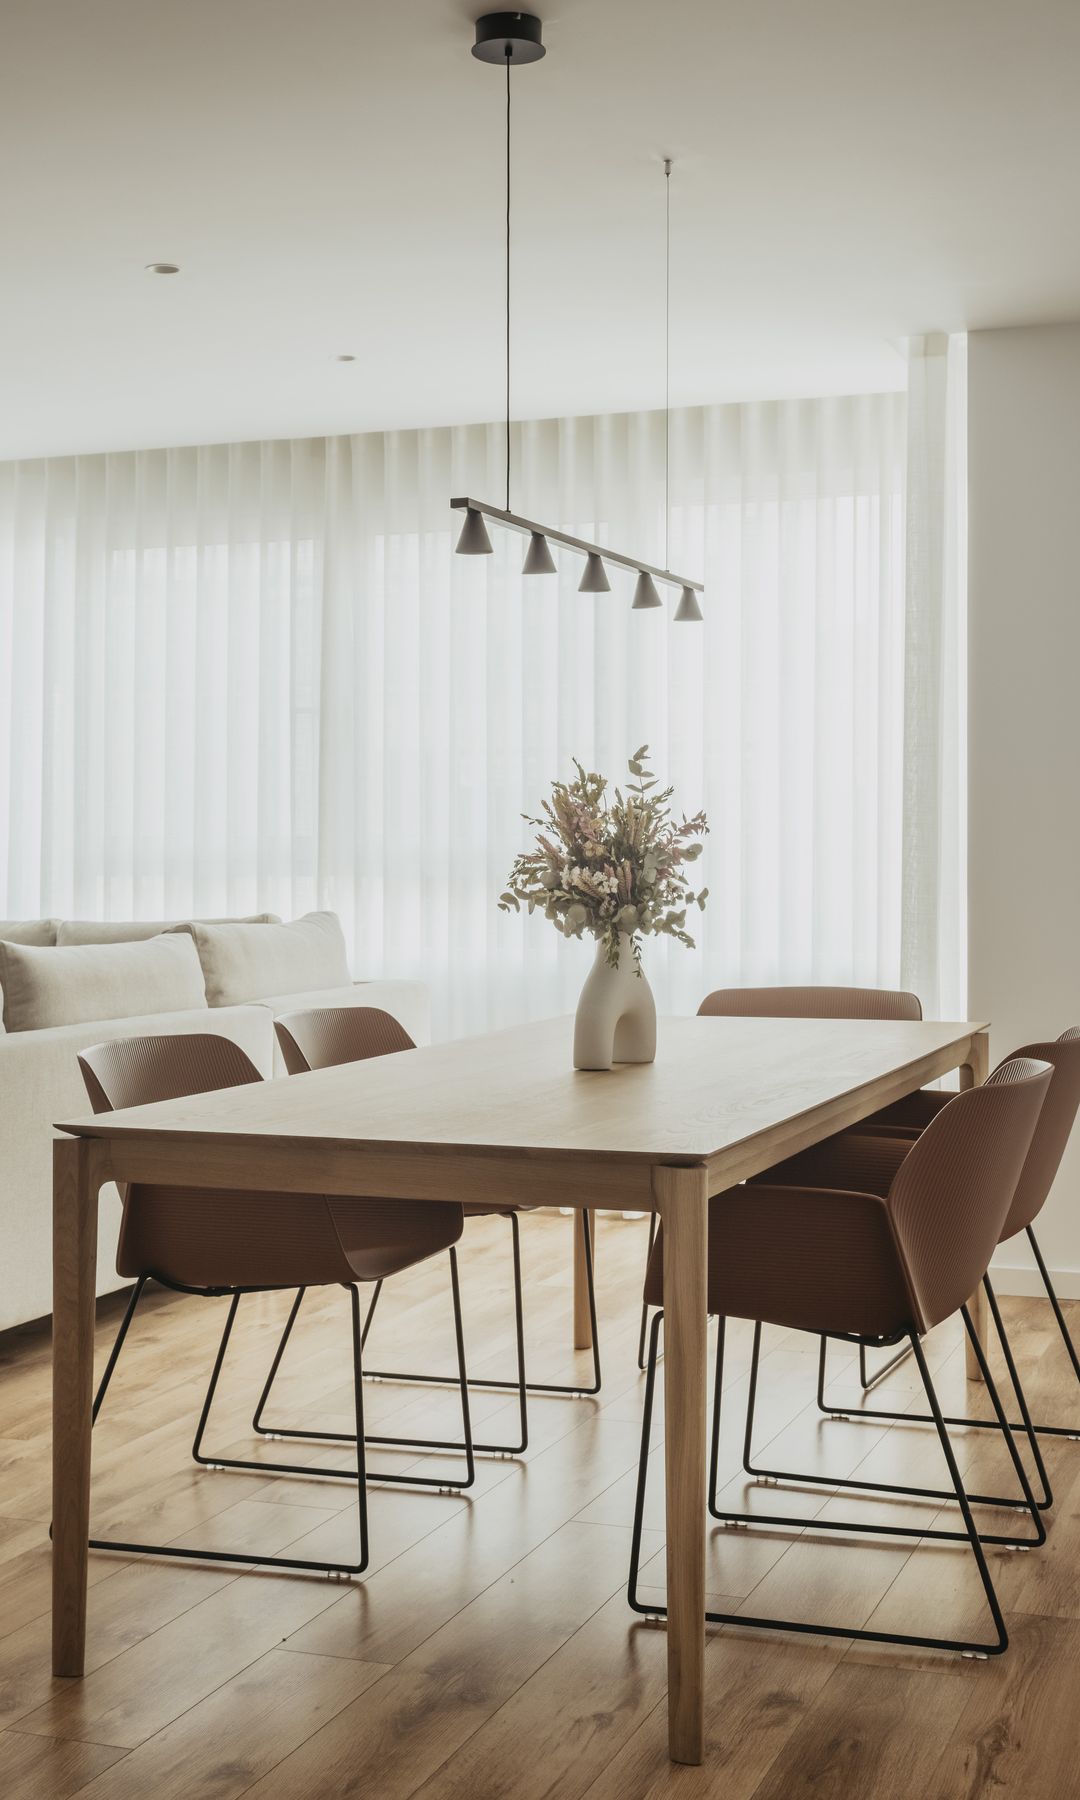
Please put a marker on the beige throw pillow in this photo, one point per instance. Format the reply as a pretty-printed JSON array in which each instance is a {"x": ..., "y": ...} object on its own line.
[
  {"x": 73, "y": 983},
  {"x": 28, "y": 931},
  {"x": 127, "y": 931},
  {"x": 250, "y": 962},
  {"x": 25, "y": 931}
]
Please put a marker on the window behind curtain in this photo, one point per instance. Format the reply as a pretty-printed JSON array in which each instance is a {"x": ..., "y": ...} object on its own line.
[{"x": 256, "y": 676}]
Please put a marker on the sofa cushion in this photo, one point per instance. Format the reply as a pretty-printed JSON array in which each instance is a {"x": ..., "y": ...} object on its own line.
[
  {"x": 128, "y": 931},
  {"x": 25, "y": 931},
  {"x": 247, "y": 962},
  {"x": 29, "y": 931},
  {"x": 40, "y": 1084},
  {"x": 63, "y": 986}
]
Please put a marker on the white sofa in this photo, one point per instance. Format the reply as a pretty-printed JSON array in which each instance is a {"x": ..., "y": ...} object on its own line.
[{"x": 40, "y": 1085}]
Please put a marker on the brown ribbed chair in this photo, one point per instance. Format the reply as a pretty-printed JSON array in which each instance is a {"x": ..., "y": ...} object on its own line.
[
  {"x": 879, "y": 1145},
  {"x": 800, "y": 1003},
  {"x": 325, "y": 1037},
  {"x": 810, "y": 1003},
  {"x": 224, "y": 1242},
  {"x": 867, "y": 1268}
]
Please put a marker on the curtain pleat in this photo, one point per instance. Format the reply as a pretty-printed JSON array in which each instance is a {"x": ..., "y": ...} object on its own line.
[
  {"x": 256, "y": 676},
  {"x": 933, "y": 882}
]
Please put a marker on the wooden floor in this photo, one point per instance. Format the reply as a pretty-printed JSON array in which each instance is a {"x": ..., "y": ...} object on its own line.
[{"x": 489, "y": 1651}]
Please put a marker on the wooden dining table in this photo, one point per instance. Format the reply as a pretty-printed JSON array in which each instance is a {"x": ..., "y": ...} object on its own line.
[{"x": 500, "y": 1117}]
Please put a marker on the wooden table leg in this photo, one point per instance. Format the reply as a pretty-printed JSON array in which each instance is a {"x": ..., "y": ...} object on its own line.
[
  {"x": 75, "y": 1209},
  {"x": 582, "y": 1222},
  {"x": 682, "y": 1200},
  {"x": 972, "y": 1074}
]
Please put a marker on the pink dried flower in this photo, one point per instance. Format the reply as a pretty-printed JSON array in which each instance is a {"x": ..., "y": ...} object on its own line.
[{"x": 615, "y": 867}]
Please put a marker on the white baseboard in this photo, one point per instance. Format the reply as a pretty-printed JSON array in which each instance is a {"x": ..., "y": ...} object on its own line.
[{"x": 1014, "y": 1279}]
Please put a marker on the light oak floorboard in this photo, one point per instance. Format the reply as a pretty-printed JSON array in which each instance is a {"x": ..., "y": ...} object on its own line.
[
  {"x": 488, "y": 1653},
  {"x": 227, "y": 1742},
  {"x": 431, "y": 1703},
  {"x": 758, "y": 1691},
  {"x": 566, "y": 1715},
  {"x": 35, "y": 1768},
  {"x": 137, "y": 1693},
  {"x": 1016, "y": 1733},
  {"x": 871, "y": 1731}
]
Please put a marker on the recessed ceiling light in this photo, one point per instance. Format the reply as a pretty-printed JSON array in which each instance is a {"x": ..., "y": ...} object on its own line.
[
  {"x": 345, "y": 358},
  {"x": 163, "y": 268}
]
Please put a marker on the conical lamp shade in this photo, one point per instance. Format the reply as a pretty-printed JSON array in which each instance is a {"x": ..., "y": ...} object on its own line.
[
  {"x": 594, "y": 580},
  {"x": 645, "y": 594},
  {"x": 474, "y": 540},
  {"x": 538, "y": 557},
  {"x": 688, "y": 611}
]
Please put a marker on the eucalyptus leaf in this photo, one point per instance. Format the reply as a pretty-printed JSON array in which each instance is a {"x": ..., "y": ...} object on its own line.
[{"x": 609, "y": 867}]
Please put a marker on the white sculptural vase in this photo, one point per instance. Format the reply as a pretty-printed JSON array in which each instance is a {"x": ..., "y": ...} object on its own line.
[{"x": 616, "y": 1015}]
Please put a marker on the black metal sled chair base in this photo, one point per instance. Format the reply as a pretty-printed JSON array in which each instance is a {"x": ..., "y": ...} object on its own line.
[
  {"x": 970, "y": 1534},
  {"x": 1070, "y": 1432},
  {"x": 518, "y": 1385},
  {"x": 306, "y": 1565},
  {"x": 1024, "y": 1424},
  {"x": 307, "y": 1434},
  {"x": 1025, "y": 1502},
  {"x": 359, "y": 1440}
]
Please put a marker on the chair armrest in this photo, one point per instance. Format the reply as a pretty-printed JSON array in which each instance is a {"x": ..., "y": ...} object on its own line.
[
  {"x": 812, "y": 1259},
  {"x": 852, "y": 1161},
  {"x": 913, "y": 1113}
]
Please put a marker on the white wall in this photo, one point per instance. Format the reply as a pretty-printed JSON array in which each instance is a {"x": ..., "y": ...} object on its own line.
[{"x": 1024, "y": 762}]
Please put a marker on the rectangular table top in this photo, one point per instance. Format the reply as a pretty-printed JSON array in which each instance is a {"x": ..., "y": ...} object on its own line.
[{"x": 716, "y": 1083}]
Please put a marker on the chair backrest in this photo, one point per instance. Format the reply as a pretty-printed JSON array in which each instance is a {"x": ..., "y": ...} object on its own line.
[
  {"x": 811, "y": 1003},
  {"x": 137, "y": 1071},
  {"x": 324, "y": 1036},
  {"x": 1056, "y": 1121},
  {"x": 206, "y": 1237},
  {"x": 949, "y": 1199}
]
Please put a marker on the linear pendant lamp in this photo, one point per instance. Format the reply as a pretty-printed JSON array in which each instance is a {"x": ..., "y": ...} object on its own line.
[
  {"x": 645, "y": 594},
  {"x": 474, "y": 540},
  {"x": 688, "y": 612},
  {"x": 538, "y": 557},
  {"x": 506, "y": 39}
]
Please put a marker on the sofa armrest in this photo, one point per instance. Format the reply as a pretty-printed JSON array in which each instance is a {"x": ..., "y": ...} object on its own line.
[
  {"x": 40, "y": 1082},
  {"x": 244, "y": 1024}
]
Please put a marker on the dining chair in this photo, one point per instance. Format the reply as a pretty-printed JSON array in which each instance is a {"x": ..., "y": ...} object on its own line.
[
  {"x": 226, "y": 1243},
  {"x": 886, "y": 1139},
  {"x": 870, "y": 1165},
  {"x": 326, "y": 1037},
  {"x": 868, "y": 1269},
  {"x": 799, "y": 1003}
]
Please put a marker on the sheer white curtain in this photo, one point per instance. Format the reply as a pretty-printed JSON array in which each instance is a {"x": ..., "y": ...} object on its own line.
[
  {"x": 257, "y": 676},
  {"x": 160, "y": 678},
  {"x": 934, "y": 951}
]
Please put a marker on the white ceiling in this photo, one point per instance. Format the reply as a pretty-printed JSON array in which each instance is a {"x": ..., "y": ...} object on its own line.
[{"x": 328, "y": 175}]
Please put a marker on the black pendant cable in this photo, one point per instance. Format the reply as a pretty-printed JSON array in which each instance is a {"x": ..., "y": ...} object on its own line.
[
  {"x": 645, "y": 594},
  {"x": 508, "y": 38},
  {"x": 688, "y": 611}
]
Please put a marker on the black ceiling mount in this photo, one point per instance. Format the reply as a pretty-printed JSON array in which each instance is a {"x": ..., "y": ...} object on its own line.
[{"x": 509, "y": 37}]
